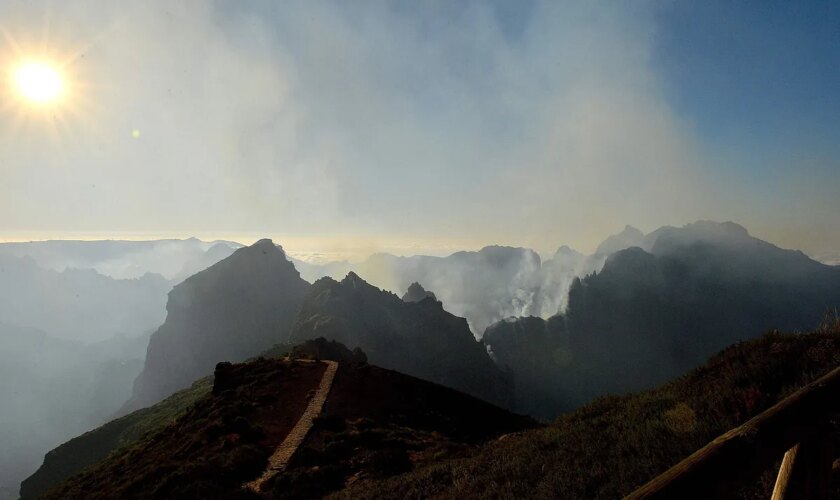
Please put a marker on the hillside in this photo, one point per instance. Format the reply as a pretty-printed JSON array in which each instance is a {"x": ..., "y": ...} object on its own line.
[
  {"x": 376, "y": 423},
  {"x": 231, "y": 311},
  {"x": 94, "y": 446},
  {"x": 609, "y": 447},
  {"x": 417, "y": 338}
]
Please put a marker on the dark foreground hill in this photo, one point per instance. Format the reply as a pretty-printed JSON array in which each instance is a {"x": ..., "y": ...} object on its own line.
[
  {"x": 613, "y": 445},
  {"x": 231, "y": 311},
  {"x": 376, "y": 423}
]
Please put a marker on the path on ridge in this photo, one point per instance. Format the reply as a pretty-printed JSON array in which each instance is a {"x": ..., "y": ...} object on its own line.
[{"x": 283, "y": 454}]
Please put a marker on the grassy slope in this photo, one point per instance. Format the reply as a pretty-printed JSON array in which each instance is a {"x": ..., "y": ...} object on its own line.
[
  {"x": 376, "y": 423},
  {"x": 613, "y": 445},
  {"x": 219, "y": 442},
  {"x": 94, "y": 446}
]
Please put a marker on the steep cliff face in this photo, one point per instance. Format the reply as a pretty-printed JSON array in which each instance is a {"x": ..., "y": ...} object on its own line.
[
  {"x": 416, "y": 338},
  {"x": 536, "y": 351},
  {"x": 231, "y": 311}
]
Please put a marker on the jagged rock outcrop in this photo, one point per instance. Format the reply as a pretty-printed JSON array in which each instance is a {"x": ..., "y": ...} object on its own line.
[
  {"x": 484, "y": 286},
  {"x": 417, "y": 338},
  {"x": 322, "y": 348},
  {"x": 233, "y": 310},
  {"x": 416, "y": 293}
]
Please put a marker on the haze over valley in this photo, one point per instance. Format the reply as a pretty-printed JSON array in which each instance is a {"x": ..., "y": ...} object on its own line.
[{"x": 516, "y": 307}]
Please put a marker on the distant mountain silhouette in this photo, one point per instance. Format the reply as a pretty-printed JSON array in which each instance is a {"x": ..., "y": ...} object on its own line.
[
  {"x": 629, "y": 237},
  {"x": 231, "y": 311},
  {"x": 646, "y": 317},
  {"x": 417, "y": 338},
  {"x": 77, "y": 304},
  {"x": 119, "y": 259},
  {"x": 200, "y": 262}
]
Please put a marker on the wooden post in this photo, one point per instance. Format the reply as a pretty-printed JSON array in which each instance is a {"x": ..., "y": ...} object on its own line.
[
  {"x": 723, "y": 466},
  {"x": 806, "y": 470},
  {"x": 782, "y": 488}
]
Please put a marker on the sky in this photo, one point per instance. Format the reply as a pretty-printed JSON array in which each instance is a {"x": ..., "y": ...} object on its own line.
[{"x": 421, "y": 127}]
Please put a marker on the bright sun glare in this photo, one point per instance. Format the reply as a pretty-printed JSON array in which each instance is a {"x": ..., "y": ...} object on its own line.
[{"x": 39, "y": 82}]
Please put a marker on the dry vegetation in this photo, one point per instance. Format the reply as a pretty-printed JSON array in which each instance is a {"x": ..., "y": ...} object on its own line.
[{"x": 615, "y": 444}]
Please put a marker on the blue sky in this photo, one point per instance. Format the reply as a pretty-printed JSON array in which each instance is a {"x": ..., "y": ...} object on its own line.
[
  {"x": 424, "y": 126},
  {"x": 759, "y": 79}
]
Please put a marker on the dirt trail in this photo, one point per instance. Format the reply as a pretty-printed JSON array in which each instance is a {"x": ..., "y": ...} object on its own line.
[{"x": 283, "y": 454}]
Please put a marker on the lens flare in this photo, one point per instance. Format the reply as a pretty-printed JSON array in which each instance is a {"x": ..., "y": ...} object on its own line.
[{"x": 39, "y": 82}]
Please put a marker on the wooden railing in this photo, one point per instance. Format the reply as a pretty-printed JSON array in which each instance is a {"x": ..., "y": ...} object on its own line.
[{"x": 797, "y": 429}]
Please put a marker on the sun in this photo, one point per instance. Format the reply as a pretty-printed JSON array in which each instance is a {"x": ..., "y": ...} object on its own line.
[
  {"x": 43, "y": 86},
  {"x": 39, "y": 82}
]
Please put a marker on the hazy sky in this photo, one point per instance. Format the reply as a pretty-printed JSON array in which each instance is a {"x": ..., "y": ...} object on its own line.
[{"x": 422, "y": 125}]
